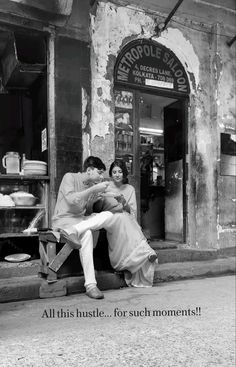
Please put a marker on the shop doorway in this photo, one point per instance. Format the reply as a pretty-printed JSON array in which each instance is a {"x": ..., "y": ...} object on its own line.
[
  {"x": 151, "y": 94},
  {"x": 162, "y": 167}
]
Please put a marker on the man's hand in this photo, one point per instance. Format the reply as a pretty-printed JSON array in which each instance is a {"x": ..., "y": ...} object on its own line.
[
  {"x": 100, "y": 187},
  {"x": 95, "y": 196}
]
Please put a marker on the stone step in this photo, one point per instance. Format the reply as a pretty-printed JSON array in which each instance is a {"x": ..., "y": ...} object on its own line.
[
  {"x": 168, "y": 255},
  {"x": 194, "y": 269},
  {"x": 21, "y": 269},
  {"x": 182, "y": 253},
  {"x": 27, "y": 287},
  {"x": 185, "y": 254}
]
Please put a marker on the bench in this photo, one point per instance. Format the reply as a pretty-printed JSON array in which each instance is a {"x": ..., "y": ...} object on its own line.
[
  {"x": 50, "y": 262},
  {"x": 56, "y": 264}
]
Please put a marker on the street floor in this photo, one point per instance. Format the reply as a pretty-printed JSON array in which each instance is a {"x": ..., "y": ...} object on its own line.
[{"x": 187, "y": 323}]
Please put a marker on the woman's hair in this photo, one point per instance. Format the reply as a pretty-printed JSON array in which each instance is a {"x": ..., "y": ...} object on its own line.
[
  {"x": 94, "y": 162},
  {"x": 121, "y": 164}
]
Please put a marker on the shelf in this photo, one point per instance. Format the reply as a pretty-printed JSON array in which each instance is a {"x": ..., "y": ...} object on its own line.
[
  {"x": 125, "y": 129},
  {"x": 23, "y": 177},
  {"x": 21, "y": 207},
  {"x": 11, "y": 234},
  {"x": 124, "y": 108},
  {"x": 124, "y": 152}
]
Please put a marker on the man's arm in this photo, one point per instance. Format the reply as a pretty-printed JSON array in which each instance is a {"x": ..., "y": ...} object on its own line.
[{"x": 79, "y": 198}]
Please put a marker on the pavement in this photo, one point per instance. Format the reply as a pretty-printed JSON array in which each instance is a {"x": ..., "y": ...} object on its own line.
[{"x": 189, "y": 323}]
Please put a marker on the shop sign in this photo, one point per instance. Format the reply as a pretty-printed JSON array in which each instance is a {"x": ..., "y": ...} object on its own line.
[{"x": 149, "y": 64}]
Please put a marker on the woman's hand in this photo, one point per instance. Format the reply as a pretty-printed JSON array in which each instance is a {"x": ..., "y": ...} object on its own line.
[{"x": 120, "y": 198}]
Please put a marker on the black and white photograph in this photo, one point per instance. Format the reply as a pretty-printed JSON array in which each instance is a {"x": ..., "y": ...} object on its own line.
[{"x": 117, "y": 183}]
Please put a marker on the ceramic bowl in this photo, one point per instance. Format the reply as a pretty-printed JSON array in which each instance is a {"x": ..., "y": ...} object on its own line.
[{"x": 22, "y": 198}]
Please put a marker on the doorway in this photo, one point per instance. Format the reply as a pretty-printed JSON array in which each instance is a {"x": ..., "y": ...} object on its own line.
[{"x": 162, "y": 167}]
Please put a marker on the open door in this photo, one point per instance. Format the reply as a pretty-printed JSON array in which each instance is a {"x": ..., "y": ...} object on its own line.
[{"x": 174, "y": 142}]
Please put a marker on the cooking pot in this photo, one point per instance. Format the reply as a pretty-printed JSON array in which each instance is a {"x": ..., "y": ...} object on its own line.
[
  {"x": 22, "y": 198},
  {"x": 11, "y": 161}
]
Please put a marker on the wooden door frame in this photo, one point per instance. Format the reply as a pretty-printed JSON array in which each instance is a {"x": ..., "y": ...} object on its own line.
[{"x": 184, "y": 107}]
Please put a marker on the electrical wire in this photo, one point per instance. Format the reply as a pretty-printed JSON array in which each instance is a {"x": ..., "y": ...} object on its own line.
[
  {"x": 148, "y": 12},
  {"x": 151, "y": 13},
  {"x": 201, "y": 30}
]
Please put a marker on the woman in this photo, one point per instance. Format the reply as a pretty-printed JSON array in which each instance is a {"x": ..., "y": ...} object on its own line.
[{"x": 128, "y": 248}]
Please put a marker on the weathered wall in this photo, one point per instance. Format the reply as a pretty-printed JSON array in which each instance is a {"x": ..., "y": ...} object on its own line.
[
  {"x": 197, "y": 47},
  {"x": 72, "y": 76},
  {"x": 71, "y": 17},
  {"x": 226, "y": 116}
]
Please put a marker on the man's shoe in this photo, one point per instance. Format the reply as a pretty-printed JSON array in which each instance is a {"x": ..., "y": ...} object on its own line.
[
  {"x": 152, "y": 258},
  {"x": 71, "y": 239},
  {"x": 95, "y": 293}
]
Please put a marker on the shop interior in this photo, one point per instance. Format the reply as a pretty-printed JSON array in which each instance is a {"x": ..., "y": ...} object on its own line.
[
  {"x": 23, "y": 94},
  {"x": 161, "y": 153},
  {"x": 23, "y": 121}
]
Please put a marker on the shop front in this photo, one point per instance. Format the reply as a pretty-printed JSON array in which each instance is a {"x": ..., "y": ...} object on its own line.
[
  {"x": 151, "y": 93},
  {"x": 162, "y": 101}
]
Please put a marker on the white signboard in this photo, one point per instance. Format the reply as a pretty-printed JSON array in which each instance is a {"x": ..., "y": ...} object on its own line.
[
  {"x": 159, "y": 83},
  {"x": 44, "y": 140}
]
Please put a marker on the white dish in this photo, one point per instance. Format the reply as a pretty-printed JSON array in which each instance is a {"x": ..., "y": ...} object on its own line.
[
  {"x": 110, "y": 194},
  {"x": 15, "y": 258},
  {"x": 35, "y": 167},
  {"x": 36, "y": 163}
]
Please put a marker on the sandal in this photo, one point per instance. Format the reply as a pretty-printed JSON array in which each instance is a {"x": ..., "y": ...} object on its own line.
[{"x": 152, "y": 257}]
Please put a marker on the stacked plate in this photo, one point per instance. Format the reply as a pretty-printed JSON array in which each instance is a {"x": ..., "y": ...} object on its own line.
[{"x": 35, "y": 168}]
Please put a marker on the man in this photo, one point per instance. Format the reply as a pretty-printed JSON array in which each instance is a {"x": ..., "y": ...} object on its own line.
[{"x": 78, "y": 192}]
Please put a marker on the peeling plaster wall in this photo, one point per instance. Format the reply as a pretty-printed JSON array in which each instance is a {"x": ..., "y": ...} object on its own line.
[
  {"x": 111, "y": 28},
  {"x": 226, "y": 118},
  {"x": 107, "y": 39}
]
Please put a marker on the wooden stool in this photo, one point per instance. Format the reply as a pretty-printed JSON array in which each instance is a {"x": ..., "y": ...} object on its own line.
[{"x": 50, "y": 263}]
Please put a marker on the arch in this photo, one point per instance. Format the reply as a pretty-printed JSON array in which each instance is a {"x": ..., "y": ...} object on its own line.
[{"x": 149, "y": 64}]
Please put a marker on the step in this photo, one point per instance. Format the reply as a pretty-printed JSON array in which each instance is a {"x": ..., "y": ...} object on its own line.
[
  {"x": 194, "y": 269},
  {"x": 28, "y": 287},
  {"x": 20, "y": 269},
  {"x": 163, "y": 245},
  {"x": 23, "y": 288},
  {"x": 182, "y": 254},
  {"x": 173, "y": 255}
]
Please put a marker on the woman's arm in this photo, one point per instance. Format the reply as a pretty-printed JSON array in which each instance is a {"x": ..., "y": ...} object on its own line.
[
  {"x": 132, "y": 202},
  {"x": 129, "y": 201}
]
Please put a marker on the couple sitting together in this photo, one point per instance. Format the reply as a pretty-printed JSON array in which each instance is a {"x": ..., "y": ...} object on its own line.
[{"x": 85, "y": 204}]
